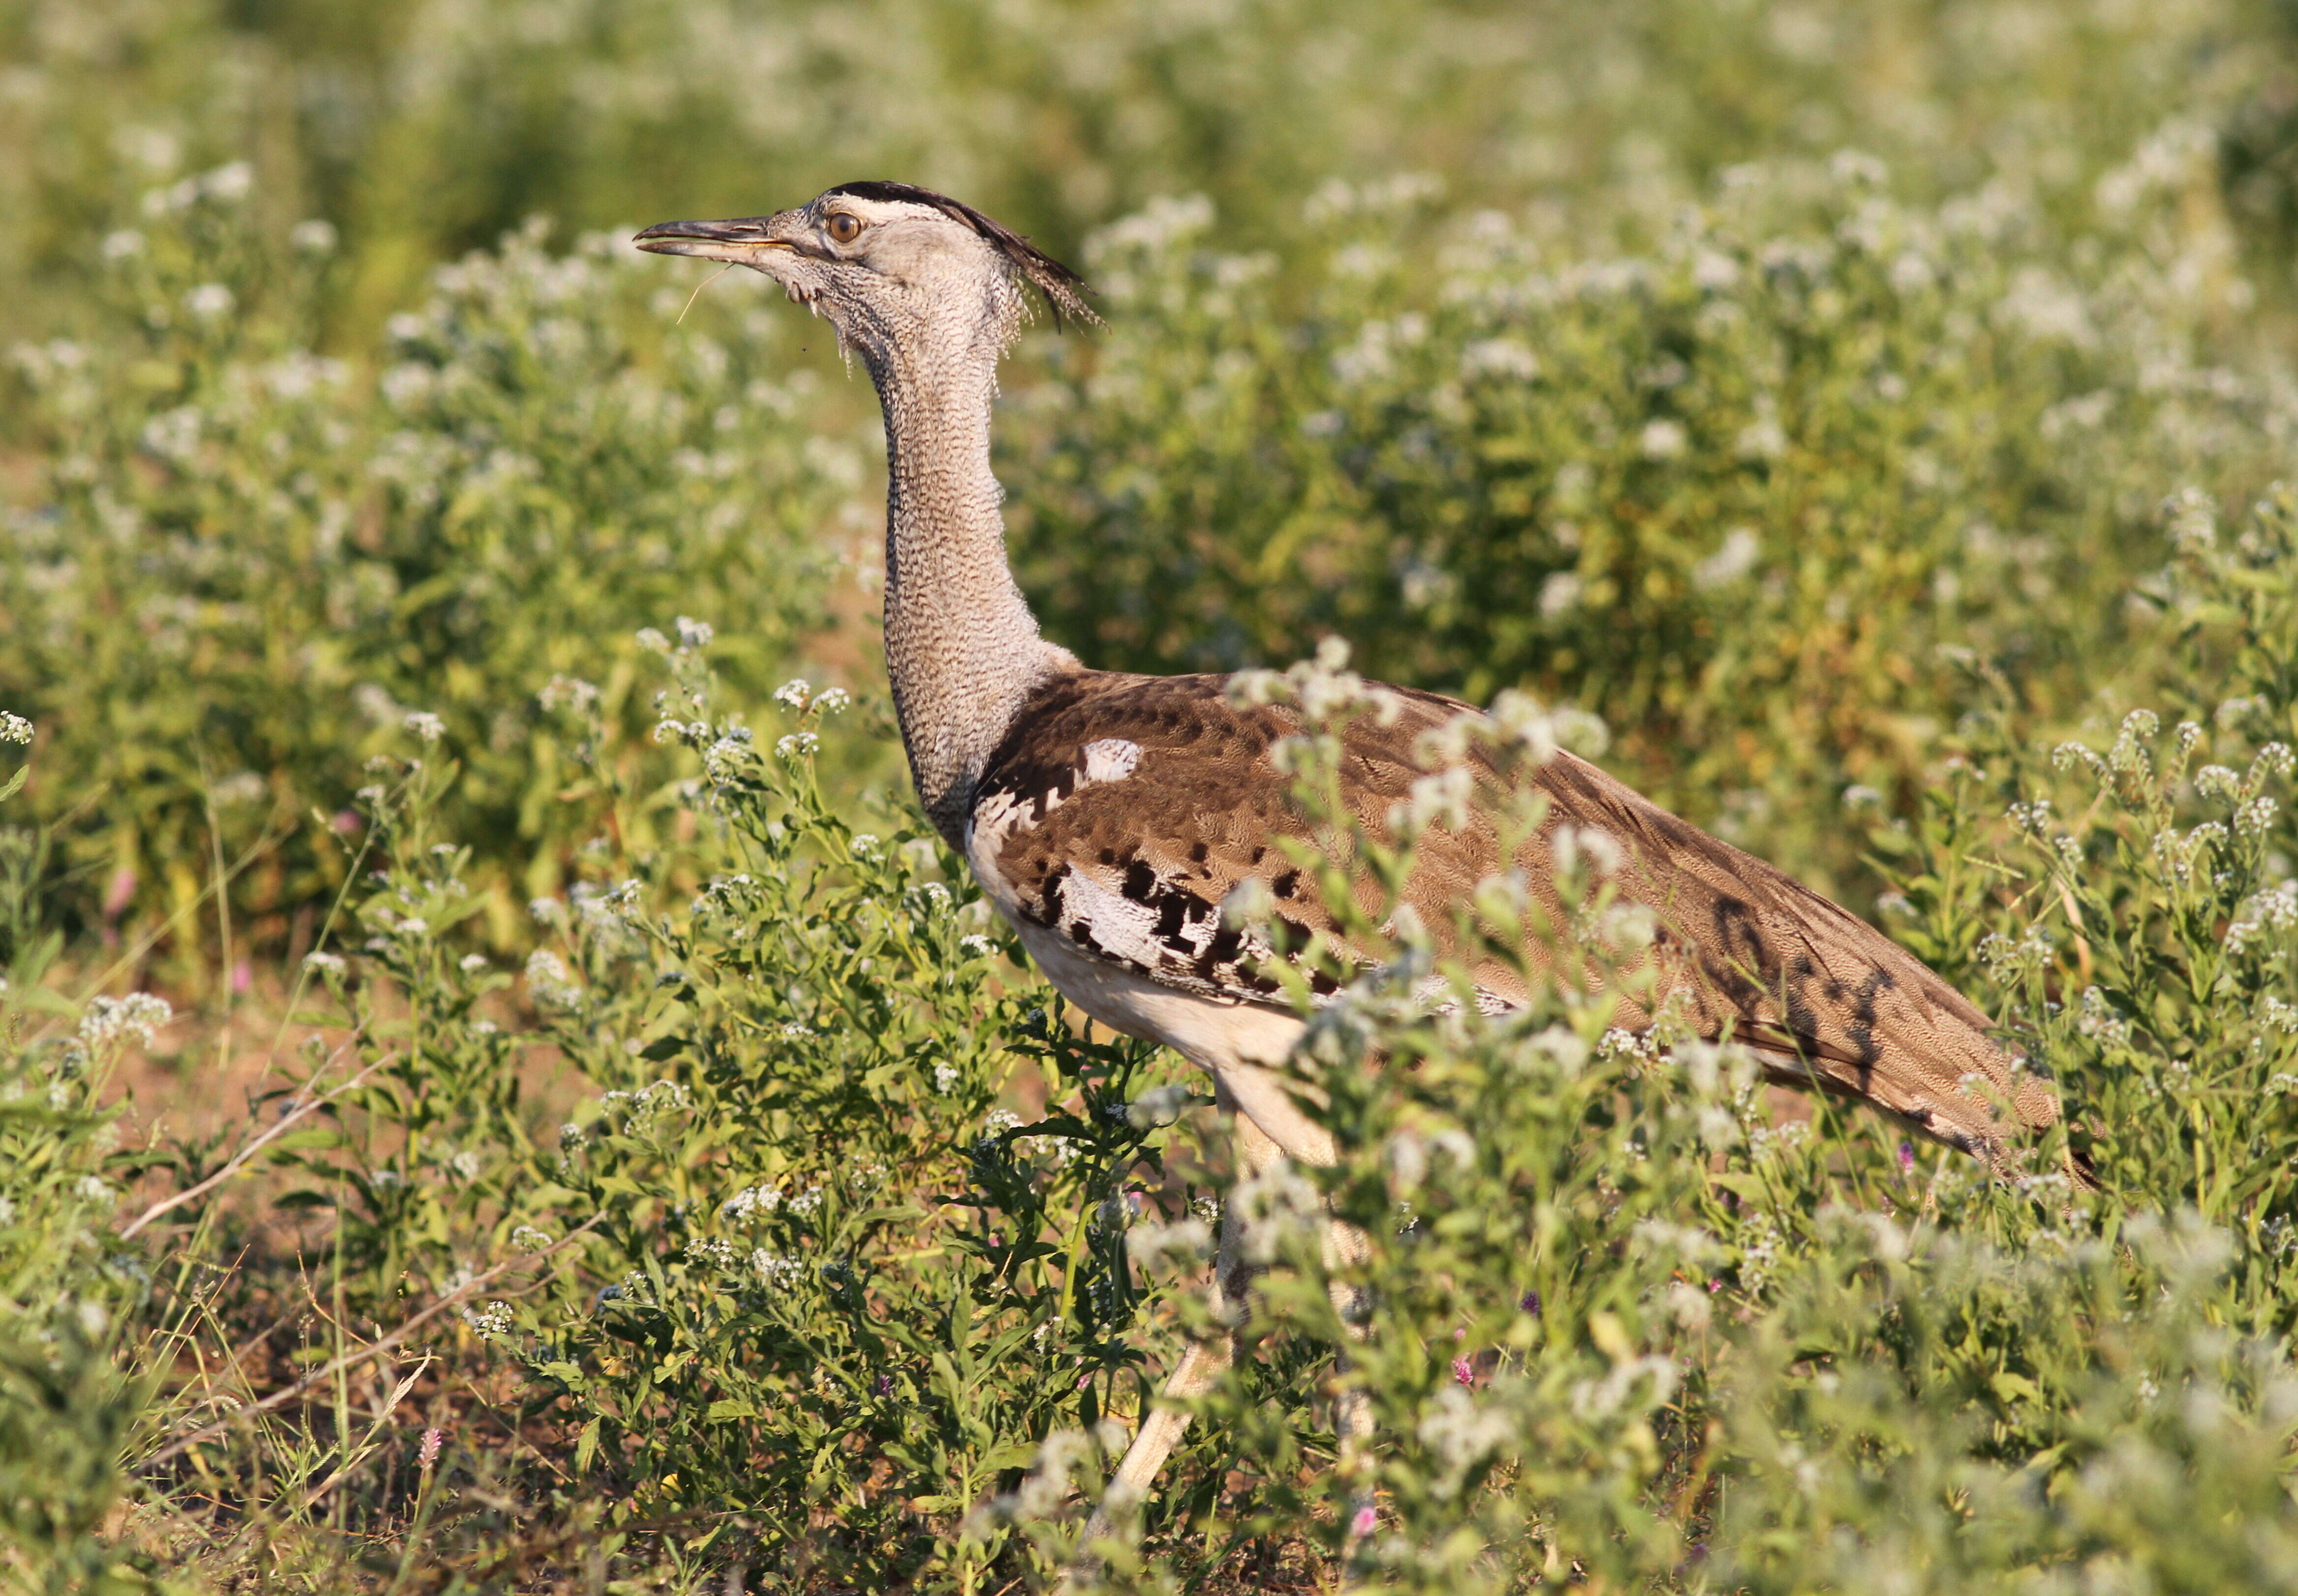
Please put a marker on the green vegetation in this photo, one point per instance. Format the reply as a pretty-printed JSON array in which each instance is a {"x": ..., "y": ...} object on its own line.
[{"x": 656, "y": 1168}]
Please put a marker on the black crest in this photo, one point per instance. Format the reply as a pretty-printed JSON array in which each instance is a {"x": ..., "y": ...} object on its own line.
[{"x": 1063, "y": 289}]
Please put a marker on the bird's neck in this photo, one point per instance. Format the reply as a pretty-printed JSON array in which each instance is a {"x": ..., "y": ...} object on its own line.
[{"x": 961, "y": 648}]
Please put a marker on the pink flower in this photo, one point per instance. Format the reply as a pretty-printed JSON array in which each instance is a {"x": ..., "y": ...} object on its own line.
[
  {"x": 1364, "y": 1522},
  {"x": 117, "y": 893},
  {"x": 1464, "y": 1371},
  {"x": 429, "y": 1454},
  {"x": 1907, "y": 1158},
  {"x": 243, "y": 977}
]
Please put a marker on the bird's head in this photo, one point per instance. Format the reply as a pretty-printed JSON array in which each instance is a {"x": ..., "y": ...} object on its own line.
[{"x": 904, "y": 274}]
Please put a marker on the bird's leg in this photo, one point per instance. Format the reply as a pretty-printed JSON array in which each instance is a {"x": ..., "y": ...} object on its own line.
[
  {"x": 1204, "y": 1360},
  {"x": 1346, "y": 1245}
]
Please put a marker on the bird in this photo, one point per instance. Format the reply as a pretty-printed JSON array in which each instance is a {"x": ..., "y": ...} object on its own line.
[{"x": 1110, "y": 815}]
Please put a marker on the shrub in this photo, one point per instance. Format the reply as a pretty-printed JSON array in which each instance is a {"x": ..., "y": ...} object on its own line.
[{"x": 256, "y": 563}]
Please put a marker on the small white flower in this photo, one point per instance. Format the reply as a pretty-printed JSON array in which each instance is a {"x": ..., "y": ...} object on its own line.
[
  {"x": 833, "y": 700},
  {"x": 978, "y": 945},
  {"x": 652, "y": 640},
  {"x": 313, "y": 237},
  {"x": 426, "y": 726},
  {"x": 792, "y": 695},
  {"x": 796, "y": 745},
  {"x": 139, "y": 1014},
  {"x": 865, "y": 845},
  {"x": 210, "y": 302},
  {"x": 231, "y": 182},
  {"x": 569, "y": 692},
  {"x": 323, "y": 963},
  {"x": 945, "y": 1078},
  {"x": 773, "y": 1270},
  {"x": 1662, "y": 439},
  {"x": 14, "y": 728},
  {"x": 492, "y": 1321},
  {"x": 711, "y": 1251},
  {"x": 526, "y": 1238},
  {"x": 472, "y": 963},
  {"x": 693, "y": 634}
]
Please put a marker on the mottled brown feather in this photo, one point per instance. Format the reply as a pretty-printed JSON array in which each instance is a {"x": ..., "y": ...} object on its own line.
[{"x": 1827, "y": 998}]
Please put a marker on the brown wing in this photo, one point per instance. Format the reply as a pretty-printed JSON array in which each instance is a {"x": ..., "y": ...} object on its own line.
[{"x": 1123, "y": 809}]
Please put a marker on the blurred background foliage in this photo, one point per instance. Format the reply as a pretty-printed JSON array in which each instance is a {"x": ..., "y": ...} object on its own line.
[{"x": 1716, "y": 366}]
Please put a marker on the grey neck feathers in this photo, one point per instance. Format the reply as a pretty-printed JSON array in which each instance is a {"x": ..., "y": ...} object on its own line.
[{"x": 961, "y": 648}]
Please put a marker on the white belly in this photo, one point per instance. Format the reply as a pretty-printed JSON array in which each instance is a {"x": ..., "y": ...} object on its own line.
[{"x": 1234, "y": 1040}]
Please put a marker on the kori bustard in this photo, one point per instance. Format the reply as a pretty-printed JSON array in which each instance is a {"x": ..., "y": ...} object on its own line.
[{"x": 1110, "y": 815}]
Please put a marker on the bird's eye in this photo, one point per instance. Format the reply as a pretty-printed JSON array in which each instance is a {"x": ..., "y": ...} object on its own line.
[{"x": 844, "y": 227}]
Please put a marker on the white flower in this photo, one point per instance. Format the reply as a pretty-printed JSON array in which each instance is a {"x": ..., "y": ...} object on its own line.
[
  {"x": 473, "y": 962},
  {"x": 526, "y": 1238},
  {"x": 426, "y": 726},
  {"x": 1159, "y": 1105},
  {"x": 1734, "y": 559},
  {"x": 653, "y": 642},
  {"x": 313, "y": 237},
  {"x": 1177, "y": 1245},
  {"x": 124, "y": 244},
  {"x": 14, "y": 728},
  {"x": 139, "y": 1014},
  {"x": 751, "y": 1202},
  {"x": 210, "y": 302},
  {"x": 792, "y": 695},
  {"x": 978, "y": 945},
  {"x": 945, "y": 1077},
  {"x": 1662, "y": 439},
  {"x": 775, "y": 1270},
  {"x": 548, "y": 983},
  {"x": 490, "y": 1321},
  {"x": 833, "y": 700},
  {"x": 693, "y": 634},
  {"x": 569, "y": 692},
  {"x": 231, "y": 182},
  {"x": 865, "y": 845},
  {"x": 323, "y": 963},
  {"x": 711, "y": 1251},
  {"x": 796, "y": 745}
]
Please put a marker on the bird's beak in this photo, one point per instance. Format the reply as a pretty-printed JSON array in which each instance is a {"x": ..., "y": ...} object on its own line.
[{"x": 742, "y": 241}]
